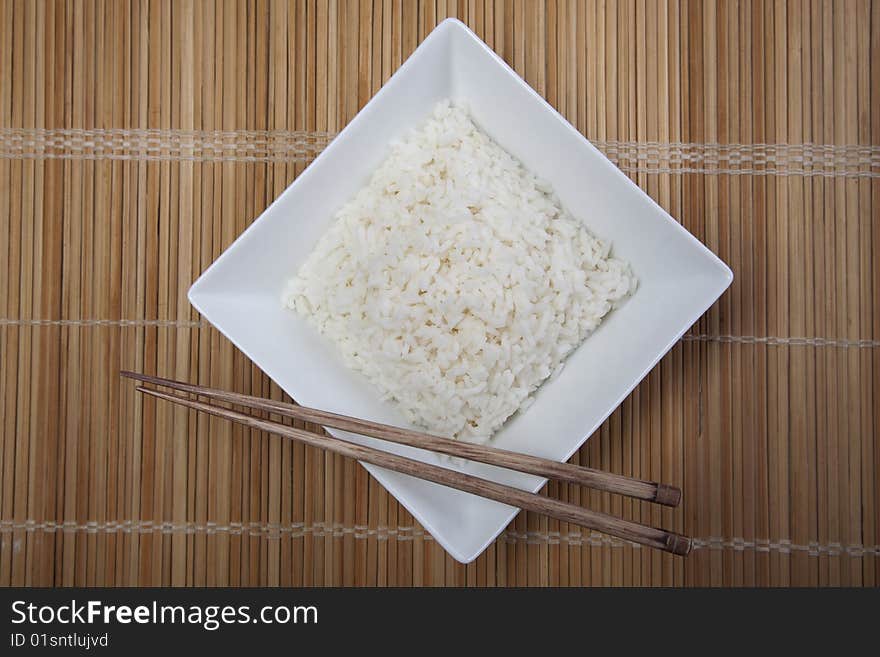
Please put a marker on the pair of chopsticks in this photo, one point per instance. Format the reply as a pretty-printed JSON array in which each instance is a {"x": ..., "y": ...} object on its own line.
[{"x": 605, "y": 481}]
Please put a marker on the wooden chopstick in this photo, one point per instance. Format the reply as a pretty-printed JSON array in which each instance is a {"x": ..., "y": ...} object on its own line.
[
  {"x": 624, "y": 529},
  {"x": 606, "y": 481}
]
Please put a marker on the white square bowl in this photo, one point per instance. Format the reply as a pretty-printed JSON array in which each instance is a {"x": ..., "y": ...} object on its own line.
[{"x": 679, "y": 278}]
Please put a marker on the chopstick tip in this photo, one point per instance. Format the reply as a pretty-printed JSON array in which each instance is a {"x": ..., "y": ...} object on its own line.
[
  {"x": 667, "y": 495},
  {"x": 159, "y": 394},
  {"x": 144, "y": 378},
  {"x": 137, "y": 376},
  {"x": 680, "y": 545}
]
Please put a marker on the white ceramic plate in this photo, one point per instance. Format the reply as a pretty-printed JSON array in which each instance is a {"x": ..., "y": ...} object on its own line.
[{"x": 679, "y": 278}]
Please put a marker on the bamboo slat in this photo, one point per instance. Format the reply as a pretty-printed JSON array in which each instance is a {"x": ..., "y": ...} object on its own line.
[{"x": 138, "y": 139}]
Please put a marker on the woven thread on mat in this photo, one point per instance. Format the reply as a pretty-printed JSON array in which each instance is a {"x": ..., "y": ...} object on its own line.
[
  {"x": 328, "y": 530},
  {"x": 688, "y": 337},
  {"x": 164, "y": 323},
  {"x": 785, "y": 341},
  {"x": 162, "y": 145},
  {"x": 829, "y": 160}
]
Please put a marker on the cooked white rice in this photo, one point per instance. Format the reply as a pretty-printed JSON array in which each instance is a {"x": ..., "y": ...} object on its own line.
[{"x": 455, "y": 281}]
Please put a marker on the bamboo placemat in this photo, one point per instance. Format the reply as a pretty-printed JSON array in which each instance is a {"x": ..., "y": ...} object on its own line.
[{"x": 137, "y": 140}]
